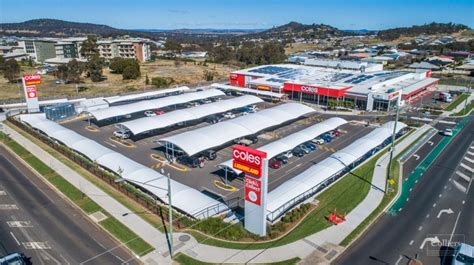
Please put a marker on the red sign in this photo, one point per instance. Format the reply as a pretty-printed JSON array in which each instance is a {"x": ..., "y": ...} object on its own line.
[
  {"x": 31, "y": 91},
  {"x": 34, "y": 79},
  {"x": 248, "y": 160},
  {"x": 324, "y": 91},
  {"x": 233, "y": 76},
  {"x": 253, "y": 190}
]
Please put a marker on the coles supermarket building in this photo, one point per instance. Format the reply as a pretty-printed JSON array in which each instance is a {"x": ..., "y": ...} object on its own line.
[{"x": 366, "y": 85}]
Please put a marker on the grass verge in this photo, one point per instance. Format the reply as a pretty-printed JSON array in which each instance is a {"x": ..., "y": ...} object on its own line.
[
  {"x": 465, "y": 110},
  {"x": 187, "y": 260},
  {"x": 112, "y": 225},
  {"x": 455, "y": 103}
]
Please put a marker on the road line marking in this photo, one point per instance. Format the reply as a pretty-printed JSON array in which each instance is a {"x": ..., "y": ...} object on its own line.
[
  {"x": 3, "y": 193},
  {"x": 411, "y": 242},
  {"x": 35, "y": 245},
  {"x": 420, "y": 228},
  {"x": 459, "y": 186},
  {"x": 16, "y": 240},
  {"x": 19, "y": 224},
  {"x": 440, "y": 195},
  {"x": 454, "y": 228},
  {"x": 427, "y": 216},
  {"x": 445, "y": 187},
  {"x": 466, "y": 167},
  {"x": 469, "y": 159},
  {"x": 470, "y": 153},
  {"x": 464, "y": 176},
  {"x": 463, "y": 202},
  {"x": 8, "y": 207},
  {"x": 398, "y": 260},
  {"x": 434, "y": 205}
]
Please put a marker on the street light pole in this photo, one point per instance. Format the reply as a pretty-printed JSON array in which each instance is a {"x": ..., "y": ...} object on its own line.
[
  {"x": 392, "y": 148},
  {"x": 170, "y": 215}
]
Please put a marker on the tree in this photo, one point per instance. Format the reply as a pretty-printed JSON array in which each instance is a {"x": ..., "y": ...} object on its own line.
[
  {"x": 94, "y": 68},
  {"x": 118, "y": 65},
  {"x": 62, "y": 72},
  {"x": 11, "y": 70},
  {"x": 208, "y": 75},
  {"x": 172, "y": 45},
  {"x": 130, "y": 72},
  {"x": 2, "y": 62},
  {"x": 160, "y": 82},
  {"x": 89, "y": 47},
  {"x": 147, "y": 80},
  {"x": 74, "y": 71}
]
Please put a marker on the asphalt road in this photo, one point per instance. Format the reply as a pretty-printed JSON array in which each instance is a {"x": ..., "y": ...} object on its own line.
[
  {"x": 38, "y": 222},
  {"x": 437, "y": 210}
]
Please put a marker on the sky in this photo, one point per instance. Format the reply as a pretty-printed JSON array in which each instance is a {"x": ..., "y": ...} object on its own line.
[{"x": 243, "y": 14}]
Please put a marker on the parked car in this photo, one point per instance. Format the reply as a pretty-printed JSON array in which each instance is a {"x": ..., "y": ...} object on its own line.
[
  {"x": 254, "y": 139},
  {"x": 149, "y": 113},
  {"x": 326, "y": 138},
  {"x": 304, "y": 148},
  {"x": 213, "y": 119},
  {"x": 282, "y": 158},
  {"x": 229, "y": 115},
  {"x": 122, "y": 134},
  {"x": 193, "y": 161},
  {"x": 274, "y": 163},
  {"x": 210, "y": 154},
  {"x": 463, "y": 254},
  {"x": 318, "y": 140},
  {"x": 205, "y": 101},
  {"x": 243, "y": 141},
  {"x": 298, "y": 152},
  {"x": 448, "y": 132},
  {"x": 159, "y": 112},
  {"x": 311, "y": 146},
  {"x": 336, "y": 133}
]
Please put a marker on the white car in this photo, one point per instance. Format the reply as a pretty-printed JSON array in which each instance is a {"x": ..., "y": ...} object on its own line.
[
  {"x": 463, "y": 254},
  {"x": 448, "y": 132},
  {"x": 122, "y": 134},
  {"x": 229, "y": 115},
  {"x": 149, "y": 113},
  {"x": 317, "y": 141}
]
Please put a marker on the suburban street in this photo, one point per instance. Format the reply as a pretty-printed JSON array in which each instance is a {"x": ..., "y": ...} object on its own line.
[
  {"x": 38, "y": 222},
  {"x": 437, "y": 216}
]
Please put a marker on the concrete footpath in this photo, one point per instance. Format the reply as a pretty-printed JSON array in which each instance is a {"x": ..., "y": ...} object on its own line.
[
  {"x": 142, "y": 228},
  {"x": 320, "y": 247}
]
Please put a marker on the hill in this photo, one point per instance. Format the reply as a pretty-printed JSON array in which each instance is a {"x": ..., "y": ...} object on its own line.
[
  {"x": 57, "y": 28},
  {"x": 427, "y": 29},
  {"x": 299, "y": 30}
]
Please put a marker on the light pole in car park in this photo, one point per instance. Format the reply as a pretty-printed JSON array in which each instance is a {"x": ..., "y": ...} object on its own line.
[
  {"x": 170, "y": 207},
  {"x": 392, "y": 147}
]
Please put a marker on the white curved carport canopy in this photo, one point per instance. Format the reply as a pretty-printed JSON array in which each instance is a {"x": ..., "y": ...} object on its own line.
[
  {"x": 198, "y": 140},
  {"x": 185, "y": 198},
  {"x": 122, "y": 110},
  {"x": 250, "y": 91},
  {"x": 279, "y": 199},
  {"x": 174, "y": 117},
  {"x": 293, "y": 140},
  {"x": 145, "y": 95}
]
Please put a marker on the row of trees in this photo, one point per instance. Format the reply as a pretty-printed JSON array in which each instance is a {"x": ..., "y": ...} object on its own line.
[
  {"x": 249, "y": 53},
  {"x": 128, "y": 68}
]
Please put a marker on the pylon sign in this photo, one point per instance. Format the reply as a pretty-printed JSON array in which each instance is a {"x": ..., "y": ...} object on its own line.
[
  {"x": 254, "y": 164},
  {"x": 31, "y": 95}
]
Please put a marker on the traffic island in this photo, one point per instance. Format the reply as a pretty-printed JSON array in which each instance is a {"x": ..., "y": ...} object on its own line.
[{"x": 122, "y": 142}]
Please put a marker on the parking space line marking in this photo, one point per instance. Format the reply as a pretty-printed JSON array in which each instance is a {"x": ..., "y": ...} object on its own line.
[
  {"x": 466, "y": 167},
  {"x": 459, "y": 186},
  {"x": 19, "y": 224},
  {"x": 35, "y": 245},
  {"x": 411, "y": 242},
  {"x": 16, "y": 240},
  {"x": 3, "y": 193}
]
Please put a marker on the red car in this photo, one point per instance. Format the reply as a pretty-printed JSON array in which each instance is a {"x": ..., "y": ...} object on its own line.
[
  {"x": 159, "y": 112},
  {"x": 275, "y": 164},
  {"x": 336, "y": 133}
]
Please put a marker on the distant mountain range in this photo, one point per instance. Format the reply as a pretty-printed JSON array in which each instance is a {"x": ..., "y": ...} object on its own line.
[{"x": 61, "y": 28}]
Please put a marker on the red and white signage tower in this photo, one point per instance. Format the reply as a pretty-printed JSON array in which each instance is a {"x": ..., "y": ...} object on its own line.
[
  {"x": 255, "y": 165},
  {"x": 31, "y": 95}
]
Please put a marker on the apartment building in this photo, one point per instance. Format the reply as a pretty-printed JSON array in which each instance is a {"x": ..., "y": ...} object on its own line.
[
  {"x": 125, "y": 48},
  {"x": 69, "y": 48},
  {"x": 38, "y": 49}
]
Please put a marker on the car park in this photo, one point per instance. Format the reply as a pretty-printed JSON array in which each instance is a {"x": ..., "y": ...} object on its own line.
[
  {"x": 213, "y": 119},
  {"x": 13, "y": 259},
  {"x": 283, "y": 158},
  {"x": 243, "y": 141},
  {"x": 210, "y": 154},
  {"x": 463, "y": 254},
  {"x": 159, "y": 112},
  {"x": 149, "y": 113},
  {"x": 122, "y": 134},
  {"x": 274, "y": 163},
  {"x": 326, "y": 138},
  {"x": 336, "y": 133},
  {"x": 318, "y": 141},
  {"x": 205, "y": 101}
]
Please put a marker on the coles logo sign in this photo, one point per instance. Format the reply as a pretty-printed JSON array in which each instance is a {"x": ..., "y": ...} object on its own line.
[
  {"x": 253, "y": 190},
  {"x": 309, "y": 89},
  {"x": 34, "y": 79},
  {"x": 233, "y": 76},
  {"x": 248, "y": 160},
  {"x": 31, "y": 91}
]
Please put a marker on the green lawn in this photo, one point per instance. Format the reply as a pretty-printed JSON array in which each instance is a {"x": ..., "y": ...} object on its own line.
[
  {"x": 466, "y": 110},
  {"x": 117, "y": 229},
  {"x": 460, "y": 99},
  {"x": 187, "y": 260}
]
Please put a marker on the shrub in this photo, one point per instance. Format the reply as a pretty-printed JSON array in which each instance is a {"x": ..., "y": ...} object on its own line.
[{"x": 160, "y": 82}]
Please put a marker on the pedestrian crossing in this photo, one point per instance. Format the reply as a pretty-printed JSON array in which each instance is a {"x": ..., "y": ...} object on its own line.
[{"x": 464, "y": 172}]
